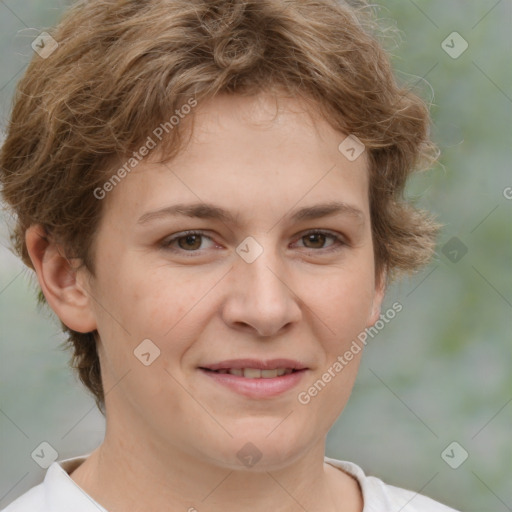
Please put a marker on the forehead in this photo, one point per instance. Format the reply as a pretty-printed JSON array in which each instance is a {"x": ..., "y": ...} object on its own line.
[
  {"x": 270, "y": 118},
  {"x": 257, "y": 153}
]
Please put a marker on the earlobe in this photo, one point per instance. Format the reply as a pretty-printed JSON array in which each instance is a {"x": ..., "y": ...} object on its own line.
[
  {"x": 380, "y": 291},
  {"x": 58, "y": 281}
]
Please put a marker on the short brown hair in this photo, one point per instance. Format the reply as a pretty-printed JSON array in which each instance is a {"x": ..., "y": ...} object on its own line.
[{"x": 122, "y": 66}]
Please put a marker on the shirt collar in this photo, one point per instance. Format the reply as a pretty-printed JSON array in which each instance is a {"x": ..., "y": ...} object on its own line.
[
  {"x": 375, "y": 496},
  {"x": 61, "y": 491}
]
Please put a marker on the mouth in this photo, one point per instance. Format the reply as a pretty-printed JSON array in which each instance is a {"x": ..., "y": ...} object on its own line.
[
  {"x": 255, "y": 378},
  {"x": 254, "y": 373}
]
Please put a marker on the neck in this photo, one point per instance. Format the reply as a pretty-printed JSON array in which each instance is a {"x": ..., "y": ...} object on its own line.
[{"x": 128, "y": 475}]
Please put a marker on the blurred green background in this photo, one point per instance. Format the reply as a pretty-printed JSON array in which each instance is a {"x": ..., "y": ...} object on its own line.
[{"x": 438, "y": 373}]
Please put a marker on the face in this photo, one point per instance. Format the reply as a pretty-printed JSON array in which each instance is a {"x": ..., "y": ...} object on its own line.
[{"x": 279, "y": 266}]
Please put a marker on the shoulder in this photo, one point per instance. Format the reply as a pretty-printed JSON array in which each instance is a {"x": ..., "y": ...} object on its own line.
[
  {"x": 410, "y": 501},
  {"x": 57, "y": 493},
  {"x": 32, "y": 500},
  {"x": 378, "y": 496}
]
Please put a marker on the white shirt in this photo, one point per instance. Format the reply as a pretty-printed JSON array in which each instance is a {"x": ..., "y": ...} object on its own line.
[{"x": 59, "y": 493}]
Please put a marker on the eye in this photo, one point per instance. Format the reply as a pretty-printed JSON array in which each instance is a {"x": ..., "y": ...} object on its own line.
[
  {"x": 189, "y": 241},
  {"x": 316, "y": 239},
  {"x": 192, "y": 241}
]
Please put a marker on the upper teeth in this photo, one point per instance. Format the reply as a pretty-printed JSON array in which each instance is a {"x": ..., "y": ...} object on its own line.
[{"x": 255, "y": 373}]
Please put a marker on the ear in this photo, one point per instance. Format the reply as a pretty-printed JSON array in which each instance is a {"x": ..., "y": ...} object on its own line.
[
  {"x": 58, "y": 280},
  {"x": 380, "y": 291}
]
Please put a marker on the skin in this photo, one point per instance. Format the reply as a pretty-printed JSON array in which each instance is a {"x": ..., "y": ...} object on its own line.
[{"x": 172, "y": 435}]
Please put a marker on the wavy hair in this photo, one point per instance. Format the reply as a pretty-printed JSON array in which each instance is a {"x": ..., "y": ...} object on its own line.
[{"x": 122, "y": 66}]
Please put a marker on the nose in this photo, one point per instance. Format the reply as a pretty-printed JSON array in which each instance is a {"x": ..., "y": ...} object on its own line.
[{"x": 260, "y": 296}]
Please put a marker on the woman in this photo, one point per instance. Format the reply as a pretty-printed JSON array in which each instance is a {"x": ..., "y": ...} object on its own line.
[{"x": 212, "y": 202}]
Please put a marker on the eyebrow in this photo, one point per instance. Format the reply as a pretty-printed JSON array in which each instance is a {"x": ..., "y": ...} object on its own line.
[{"x": 211, "y": 211}]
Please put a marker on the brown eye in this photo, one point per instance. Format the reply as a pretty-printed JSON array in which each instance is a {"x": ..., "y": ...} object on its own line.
[
  {"x": 322, "y": 242},
  {"x": 189, "y": 242},
  {"x": 317, "y": 240}
]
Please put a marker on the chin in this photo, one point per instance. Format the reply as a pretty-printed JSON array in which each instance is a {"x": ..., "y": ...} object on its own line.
[{"x": 259, "y": 449}]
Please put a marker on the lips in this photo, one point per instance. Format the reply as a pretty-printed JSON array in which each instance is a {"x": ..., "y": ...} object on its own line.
[
  {"x": 256, "y": 368},
  {"x": 256, "y": 379},
  {"x": 255, "y": 373}
]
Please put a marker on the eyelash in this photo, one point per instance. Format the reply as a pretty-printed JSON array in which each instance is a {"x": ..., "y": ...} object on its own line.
[{"x": 339, "y": 241}]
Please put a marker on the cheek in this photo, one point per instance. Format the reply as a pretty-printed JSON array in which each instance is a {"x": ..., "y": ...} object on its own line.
[
  {"x": 145, "y": 302},
  {"x": 342, "y": 301},
  {"x": 169, "y": 303},
  {"x": 168, "y": 306},
  {"x": 343, "y": 307}
]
